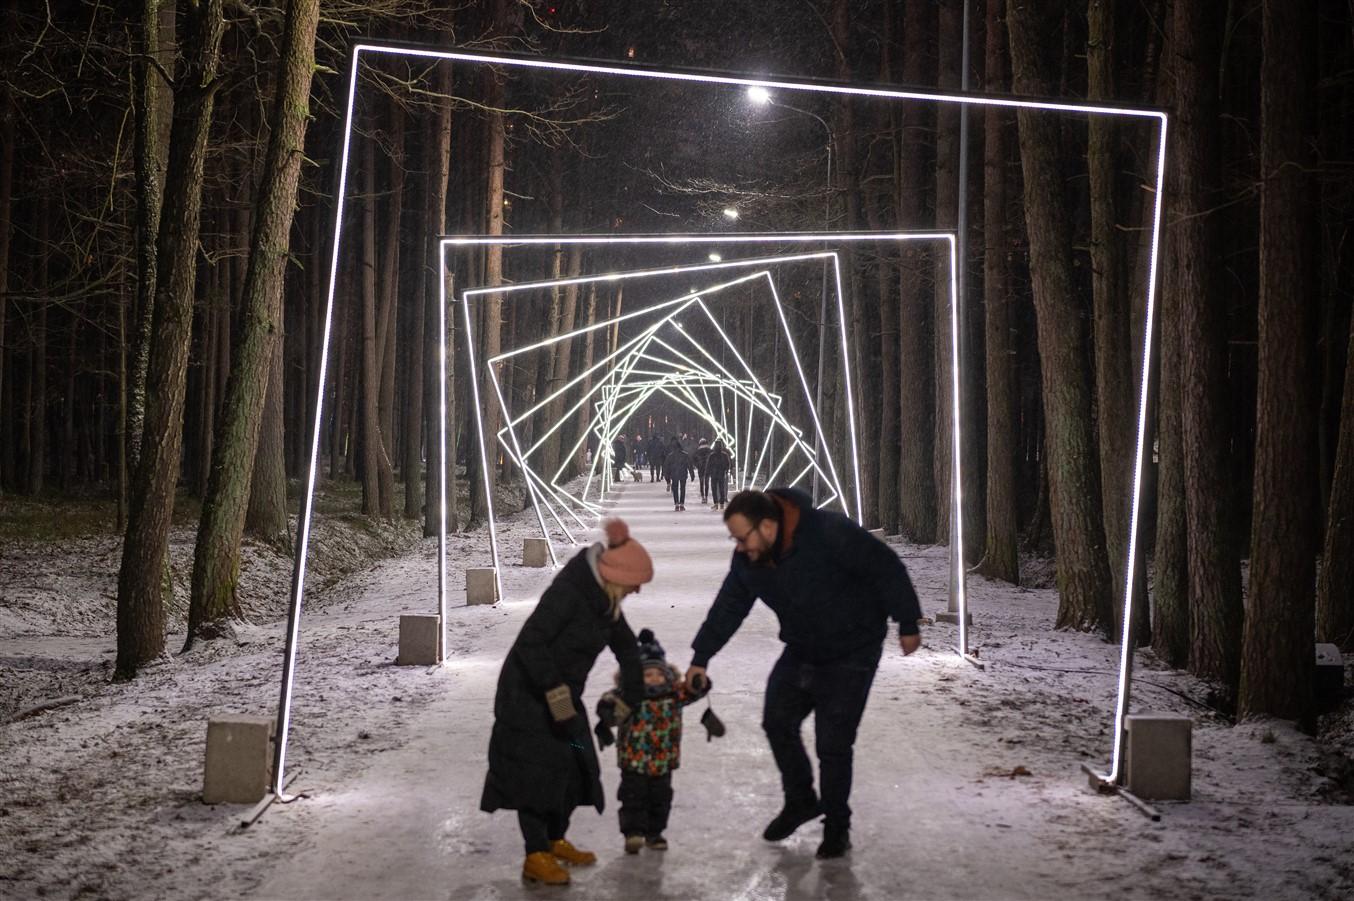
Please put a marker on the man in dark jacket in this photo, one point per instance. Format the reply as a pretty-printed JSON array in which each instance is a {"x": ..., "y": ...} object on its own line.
[
  {"x": 656, "y": 454},
  {"x": 618, "y": 457},
  {"x": 717, "y": 467},
  {"x": 676, "y": 468},
  {"x": 699, "y": 458},
  {"x": 833, "y": 586}
]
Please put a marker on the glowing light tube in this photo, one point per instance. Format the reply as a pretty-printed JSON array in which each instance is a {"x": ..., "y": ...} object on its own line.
[{"x": 740, "y": 83}]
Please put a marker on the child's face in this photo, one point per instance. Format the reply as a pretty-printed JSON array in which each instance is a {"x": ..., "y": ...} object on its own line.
[{"x": 654, "y": 676}]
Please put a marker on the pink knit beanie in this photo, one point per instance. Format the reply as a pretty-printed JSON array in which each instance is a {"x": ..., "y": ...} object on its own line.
[{"x": 624, "y": 562}]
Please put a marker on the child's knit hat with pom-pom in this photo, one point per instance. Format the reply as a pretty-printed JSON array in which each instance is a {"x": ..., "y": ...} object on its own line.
[{"x": 624, "y": 562}]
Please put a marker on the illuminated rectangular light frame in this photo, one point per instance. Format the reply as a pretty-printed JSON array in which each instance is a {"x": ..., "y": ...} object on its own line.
[
  {"x": 516, "y": 452},
  {"x": 739, "y": 81},
  {"x": 513, "y": 447}
]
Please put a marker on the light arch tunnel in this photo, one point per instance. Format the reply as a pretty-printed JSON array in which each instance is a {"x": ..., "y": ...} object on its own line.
[
  {"x": 551, "y": 71},
  {"x": 663, "y": 356}
]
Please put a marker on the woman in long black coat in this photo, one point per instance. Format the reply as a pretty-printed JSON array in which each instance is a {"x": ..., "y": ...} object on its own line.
[{"x": 541, "y": 759}]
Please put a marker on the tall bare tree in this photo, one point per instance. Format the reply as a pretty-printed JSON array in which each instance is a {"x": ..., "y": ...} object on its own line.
[
  {"x": 916, "y": 369},
  {"x": 1276, "y": 655},
  {"x": 141, "y": 583},
  {"x": 1001, "y": 558},
  {"x": 1214, "y": 570},
  {"x": 1334, "y": 600},
  {"x": 1084, "y": 587},
  {"x": 216, "y": 563}
]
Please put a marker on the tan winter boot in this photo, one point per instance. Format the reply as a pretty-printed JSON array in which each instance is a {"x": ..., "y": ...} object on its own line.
[
  {"x": 540, "y": 866},
  {"x": 633, "y": 843},
  {"x": 567, "y": 853}
]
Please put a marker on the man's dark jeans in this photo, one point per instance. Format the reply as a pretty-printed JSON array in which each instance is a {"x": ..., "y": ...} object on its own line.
[
  {"x": 678, "y": 491},
  {"x": 835, "y": 693}
]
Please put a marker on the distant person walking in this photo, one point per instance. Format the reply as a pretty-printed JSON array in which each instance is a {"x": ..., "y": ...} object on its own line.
[
  {"x": 656, "y": 453},
  {"x": 699, "y": 458},
  {"x": 833, "y": 586},
  {"x": 717, "y": 465},
  {"x": 541, "y": 760},
  {"x": 676, "y": 468},
  {"x": 618, "y": 457}
]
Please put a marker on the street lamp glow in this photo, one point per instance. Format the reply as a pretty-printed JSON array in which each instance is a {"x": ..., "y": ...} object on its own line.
[
  {"x": 730, "y": 213},
  {"x": 759, "y": 95}
]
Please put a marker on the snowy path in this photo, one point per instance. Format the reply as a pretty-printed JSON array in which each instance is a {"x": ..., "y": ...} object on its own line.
[{"x": 935, "y": 814}]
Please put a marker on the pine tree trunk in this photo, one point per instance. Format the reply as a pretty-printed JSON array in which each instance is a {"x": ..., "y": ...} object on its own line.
[
  {"x": 370, "y": 382},
  {"x": 1113, "y": 369},
  {"x": 257, "y": 374},
  {"x": 141, "y": 578},
  {"x": 154, "y": 107},
  {"x": 949, "y": 36},
  {"x": 389, "y": 284},
  {"x": 1276, "y": 657},
  {"x": 917, "y": 489},
  {"x": 1334, "y": 600},
  {"x": 1084, "y": 588},
  {"x": 266, "y": 516},
  {"x": 1001, "y": 558},
  {"x": 6, "y": 226},
  {"x": 1214, "y": 570},
  {"x": 580, "y": 464},
  {"x": 439, "y": 168},
  {"x": 37, "y": 420},
  {"x": 555, "y": 445},
  {"x": 1170, "y": 582},
  {"x": 492, "y": 304}
]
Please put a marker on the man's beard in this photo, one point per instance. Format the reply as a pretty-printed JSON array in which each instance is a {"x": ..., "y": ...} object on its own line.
[{"x": 763, "y": 559}]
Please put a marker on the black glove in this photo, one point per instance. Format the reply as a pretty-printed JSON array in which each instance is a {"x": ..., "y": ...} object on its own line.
[
  {"x": 714, "y": 726},
  {"x": 700, "y": 685},
  {"x": 605, "y": 737}
]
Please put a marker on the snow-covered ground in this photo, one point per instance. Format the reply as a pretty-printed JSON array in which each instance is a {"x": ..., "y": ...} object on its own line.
[{"x": 967, "y": 781}]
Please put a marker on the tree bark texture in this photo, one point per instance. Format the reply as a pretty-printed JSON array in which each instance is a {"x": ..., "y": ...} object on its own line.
[
  {"x": 1084, "y": 589},
  {"x": 916, "y": 368},
  {"x": 1113, "y": 352},
  {"x": 1334, "y": 599},
  {"x": 1276, "y": 656},
  {"x": 141, "y": 584},
  {"x": 257, "y": 373},
  {"x": 1214, "y": 570},
  {"x": 1001, "y": 557}
]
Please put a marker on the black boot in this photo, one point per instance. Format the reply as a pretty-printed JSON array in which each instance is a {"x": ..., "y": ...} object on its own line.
[
  {"x": 836, "y": 842},
  {"x": 791, "y": 817}
]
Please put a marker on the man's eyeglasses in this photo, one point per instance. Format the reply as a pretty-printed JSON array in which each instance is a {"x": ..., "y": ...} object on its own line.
[{"x": 742, "y": 539}]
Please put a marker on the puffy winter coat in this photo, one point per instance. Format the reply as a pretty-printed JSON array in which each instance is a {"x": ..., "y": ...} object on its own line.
[
  {"x": 678, "y": 464},
  {"x": 832, "y": 585},
  {"x": 650, "y": 741},
  {"x": 529, "y": 766},
  {"x": 718, "y": 463},
  {"x": 700, "y": 457}
]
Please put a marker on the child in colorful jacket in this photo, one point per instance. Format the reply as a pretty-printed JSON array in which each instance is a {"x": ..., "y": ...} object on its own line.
[{"x": 649, "y": 746}]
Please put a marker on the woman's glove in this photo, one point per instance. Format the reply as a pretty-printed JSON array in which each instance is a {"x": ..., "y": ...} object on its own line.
[{"x": 562, "y": 713}]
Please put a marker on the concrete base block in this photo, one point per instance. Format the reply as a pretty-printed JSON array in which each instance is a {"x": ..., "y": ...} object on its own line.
[
  {"x": 535, "y": 552},
  {"x": 239, "y": 759},
  {"x": 946, "y": 616},
  {"x": 1157, "y": 756},
  {"x": 420, "y": 640},
  {"x": 878, "y": 533},
  {"x": 481, "y": 585},
  {"x": 1330, "y": 673}
]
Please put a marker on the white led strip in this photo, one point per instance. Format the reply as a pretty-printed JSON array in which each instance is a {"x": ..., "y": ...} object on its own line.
[
  {"x": 739, "y": 82},
  {"x": 520, "y": 456}
]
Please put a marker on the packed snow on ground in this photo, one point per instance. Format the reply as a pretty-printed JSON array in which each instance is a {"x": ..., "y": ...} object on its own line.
[{"x": 967, "y": 780}]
